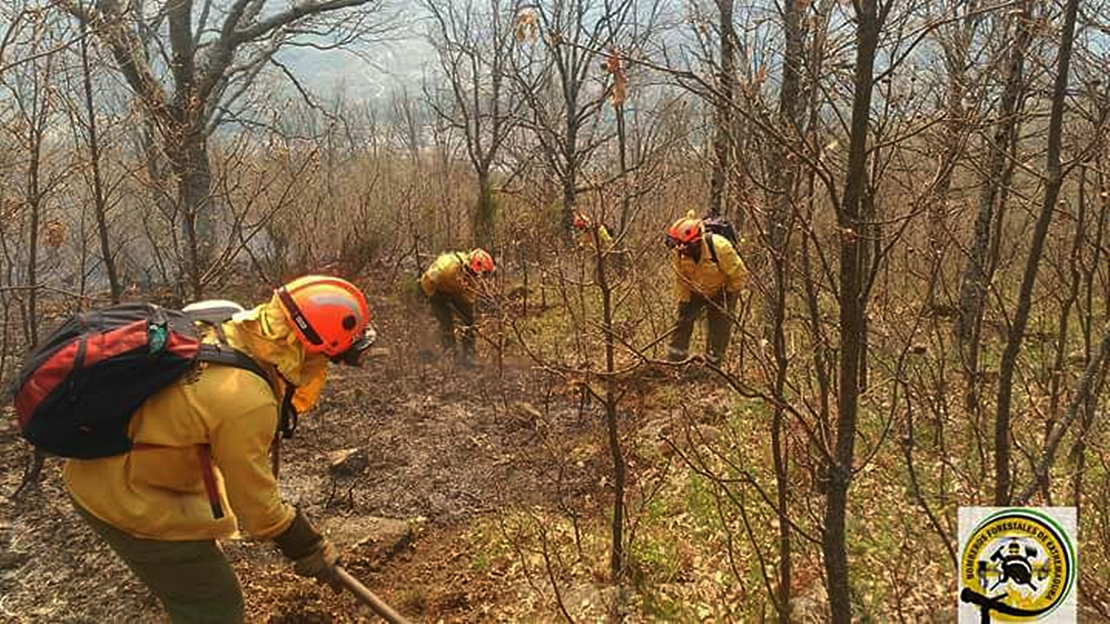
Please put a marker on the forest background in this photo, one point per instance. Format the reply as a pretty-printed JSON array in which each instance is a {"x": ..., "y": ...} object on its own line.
[{"x": 921, "y": 191}]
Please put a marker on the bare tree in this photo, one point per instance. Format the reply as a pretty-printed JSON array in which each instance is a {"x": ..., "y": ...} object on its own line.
[
  {"x": 723, "y": 109},
  {"x": 559, "y": 85},
  {"x": 100, "y": 199},
  {"x": 473, "y": 44},
  {"x": 214, "y": 57},
  {"x": 976, "y": 275},
  {"x": 869, "y": 20},
  {"x": 1054, "y": 179}
]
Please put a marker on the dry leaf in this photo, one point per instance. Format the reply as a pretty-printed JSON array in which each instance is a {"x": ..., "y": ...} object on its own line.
[
  {"x": 620, "y": 81},
  {"x": 55, "y": 234},
  {"x": 527, "y": 26}
]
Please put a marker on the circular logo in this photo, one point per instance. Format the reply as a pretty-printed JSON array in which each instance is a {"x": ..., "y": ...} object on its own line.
[{"x": 1019, "y": 564}]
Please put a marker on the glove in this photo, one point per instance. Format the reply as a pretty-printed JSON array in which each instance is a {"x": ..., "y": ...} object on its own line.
[
  {"x": 320, "y": 565},
  {"x": 312, "y": 554}
]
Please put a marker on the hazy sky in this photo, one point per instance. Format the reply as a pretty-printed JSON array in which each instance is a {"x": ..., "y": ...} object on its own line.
[{"x": 374, "y": 72}]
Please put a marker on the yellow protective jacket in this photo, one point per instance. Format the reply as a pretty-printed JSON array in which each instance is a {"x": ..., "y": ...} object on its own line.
[
  {"x": 448, "y": 275},
  {"x": 586, "y": 238},
  {"x": 705, "y": 276},
  {"x": 158, "y": 492}
]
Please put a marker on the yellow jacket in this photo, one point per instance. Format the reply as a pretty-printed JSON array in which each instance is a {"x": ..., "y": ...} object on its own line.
[
  {"x": 705, "y": 276},
  {"x": 448, "y": 275},
  {"x": 158, "y": 493},
  {"x": 586, "y": 238}
]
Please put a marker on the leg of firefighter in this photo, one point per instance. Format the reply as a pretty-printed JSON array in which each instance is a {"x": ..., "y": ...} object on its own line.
[
  {"x": 466, "y": 319},
  {"x": 193, "y": 579},
  {"x": 684, "y": 327},
  {"x": 719, "y": 318},
  {"x": 441, "y": 308}
]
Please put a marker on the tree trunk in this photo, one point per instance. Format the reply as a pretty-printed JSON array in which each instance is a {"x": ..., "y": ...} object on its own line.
[
  {"x": 973, "y": 287},
  {"x": 622, "y": 152},
  {"x": 612, "y": 421},
  {"x": 722, "y": 117},
  {"x": 570, "y": 194},
  {"x": 34, "y": 204},
  {"x": 781, "y": 219},
  {"x": 955, "y": 56},
  {"x": 1054, "y": 180},
  {"x": 485, "y": 212},
  {"x": 99, "y": 202},
  {"x": 194, "y": 184},
  {"x": 1079, "y": 447},
  {"x": 834, "y": 545}
]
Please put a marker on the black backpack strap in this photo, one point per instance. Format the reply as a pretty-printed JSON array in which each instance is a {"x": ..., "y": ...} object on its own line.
[
  {"x": 287, "y": 423},
  {"x": 228, "y": 356},
  {"x": 712, "y": 246},
  {"x": 463, "y": 263}
]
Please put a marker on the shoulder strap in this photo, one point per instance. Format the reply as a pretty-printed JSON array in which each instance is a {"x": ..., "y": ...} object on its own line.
[
  {"x": 229, "y": 356},
  {"x": 712, "y": 246}
]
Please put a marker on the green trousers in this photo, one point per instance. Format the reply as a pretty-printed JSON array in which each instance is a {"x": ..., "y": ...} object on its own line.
[
  {"x": 193, "y": 579},
  {"x": 718, "y": 312},
  {"x": 446, "y": 308}
]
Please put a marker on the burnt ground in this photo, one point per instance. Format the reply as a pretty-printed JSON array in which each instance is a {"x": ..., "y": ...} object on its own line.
[{"x": 441, "y": 446}]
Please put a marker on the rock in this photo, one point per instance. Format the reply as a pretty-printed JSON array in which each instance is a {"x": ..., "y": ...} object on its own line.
[
  {"x": 347, "y": 462},
  {"x": 387, "y": 536},
  {"x": 656, "y": 437},
  {"x": 528, "y": 410},
  {"x": 704, "y": 434}
]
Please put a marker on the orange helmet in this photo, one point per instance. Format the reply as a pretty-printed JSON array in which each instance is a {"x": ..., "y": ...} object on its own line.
[
  {"x": 329, "y": 314},
  {"x": 480, "y": 262},
  {"x": 685, "y": 231}
]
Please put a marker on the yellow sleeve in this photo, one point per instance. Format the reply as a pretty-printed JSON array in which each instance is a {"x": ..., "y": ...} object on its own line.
[
  {"x": 240, "y": 448},
  {"x": 681, "y": 286},
  {"x": 604, "y": 236},
  {"x": 730, "y": 264}
]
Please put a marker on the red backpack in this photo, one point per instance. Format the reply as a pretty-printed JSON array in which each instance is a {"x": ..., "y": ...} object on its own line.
[{"x": 80, "y": 386}]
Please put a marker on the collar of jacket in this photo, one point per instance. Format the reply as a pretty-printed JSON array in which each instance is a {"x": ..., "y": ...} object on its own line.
[{"x": 265, "y": 334}]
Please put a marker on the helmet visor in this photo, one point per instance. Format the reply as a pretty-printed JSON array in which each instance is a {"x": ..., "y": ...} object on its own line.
[{"x": 358, "y": 350}]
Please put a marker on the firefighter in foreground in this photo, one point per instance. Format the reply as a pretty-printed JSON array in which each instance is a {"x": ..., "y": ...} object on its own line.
[
  {"x": 156, "y": 505},
  {"x": 708, "y": 275},
  {"x": 452, "y": 284}
]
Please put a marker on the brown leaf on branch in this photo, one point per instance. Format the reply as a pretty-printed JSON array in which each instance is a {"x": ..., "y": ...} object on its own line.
[
  {"x": 527, "y": 26},
  {"x": 55, "y": 234},
  {"x": 620, "y": 81}
]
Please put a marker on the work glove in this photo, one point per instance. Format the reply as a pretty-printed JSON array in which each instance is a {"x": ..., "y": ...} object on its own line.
[{"x": 312, "y": 554}]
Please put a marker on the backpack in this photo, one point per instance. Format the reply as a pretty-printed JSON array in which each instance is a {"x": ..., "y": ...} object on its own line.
[
  {"x": 721, "y": 227},
  {"x": 80, "y": 386}
]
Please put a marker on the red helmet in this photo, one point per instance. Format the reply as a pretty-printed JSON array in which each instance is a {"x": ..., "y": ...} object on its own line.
[
  {"x": 580, "y": 222},
  {"x": 685, "y": 231},
  {"x": 480, "y": 262},
  {"x": 329, "y": 314}
]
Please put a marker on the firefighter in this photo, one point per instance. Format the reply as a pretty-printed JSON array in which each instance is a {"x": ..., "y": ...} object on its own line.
[
  {"x": 452, "y": 284},
  {"x": 584, "y": 230},
  {"x": 199, "y": 469},
  {"x": 708, "y": 276}
]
